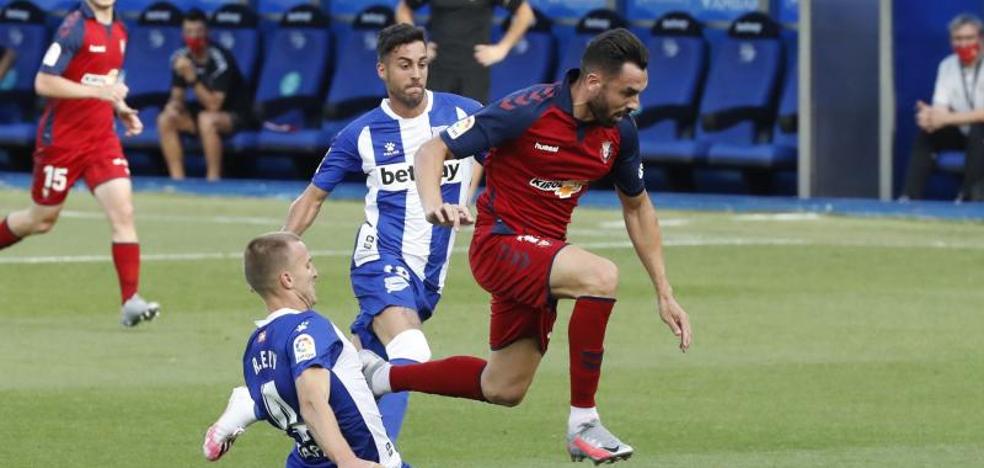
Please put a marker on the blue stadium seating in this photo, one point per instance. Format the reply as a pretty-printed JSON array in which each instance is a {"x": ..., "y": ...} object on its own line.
[
  {"x": 355, "y": 88},
  {"x": 234, "y": 27},
  {"x": 677, "y": 67},
  {"x": 531, "y": 60},
  {"x": 153, "y": 40},
  {"x": 593, "y": 23},
  {"x": 293, "y": 77},
  {"x": 739, "y": 98},
  {"x": 22, "y": 28},
  {"x": 781, "y": 152},
  {"x": 951, "y": 161}
]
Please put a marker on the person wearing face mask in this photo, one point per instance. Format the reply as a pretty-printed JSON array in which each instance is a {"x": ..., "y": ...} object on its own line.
[
  {"x": 955, "y": 120},
  {"x": 221, "y": 103}
]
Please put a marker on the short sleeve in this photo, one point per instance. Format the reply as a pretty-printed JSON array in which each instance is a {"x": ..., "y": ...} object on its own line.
[
  {"x": 627, "y": 170},
  {"x": 342, "y": 158},
  {"x": 68, "y": 40},
  {"x": 313, "y": 343},
  {"x": 495, "y": 123},
  {"x": 225, "y": 68},
  {"x": 416, "y": 4},
  {"x": 940, "y": 95}
]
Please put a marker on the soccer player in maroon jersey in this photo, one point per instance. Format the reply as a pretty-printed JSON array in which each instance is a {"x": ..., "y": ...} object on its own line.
[
  {"x": 80, "y": 76},
  {"x": 546, "y": 144}
]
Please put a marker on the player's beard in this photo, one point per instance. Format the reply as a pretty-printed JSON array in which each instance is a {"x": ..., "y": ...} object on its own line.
[
  {"x": 602, "y": 112},
  {"x": 408, "y": 100}
]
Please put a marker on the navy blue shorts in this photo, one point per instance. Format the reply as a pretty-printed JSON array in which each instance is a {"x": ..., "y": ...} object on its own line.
[{"x": 383, "y": 283}]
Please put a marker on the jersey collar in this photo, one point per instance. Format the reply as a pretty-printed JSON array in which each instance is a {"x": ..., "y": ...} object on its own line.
[
  {"x": 563, "y": 97},
  {"x": 385, "y": 105},
  {"x": 275, "y": 315}
]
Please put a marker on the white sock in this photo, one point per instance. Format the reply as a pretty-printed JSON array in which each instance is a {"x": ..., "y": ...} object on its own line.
[
  {"x": 580, "y": 416},
  {"x": 238, "y": 413},
  {"x": 381, "y": 379}
]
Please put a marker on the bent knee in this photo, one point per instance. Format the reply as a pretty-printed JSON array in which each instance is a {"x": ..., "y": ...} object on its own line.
[
  {"x": 43, "y": 224},
  {"x": 602, "y": 279},
  {"x": 208, "y": 122},
  {"x": 510, "y": 395}
]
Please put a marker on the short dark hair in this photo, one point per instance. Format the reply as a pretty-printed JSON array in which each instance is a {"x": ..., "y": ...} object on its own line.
[
  {"x": 396, "y": 35},
  {"x": 265, "y": 257},
  {"x": 195, "y": 15},
  {"x": 610, "y": 50}
]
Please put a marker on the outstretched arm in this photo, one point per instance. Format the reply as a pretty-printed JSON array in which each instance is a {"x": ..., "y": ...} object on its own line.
[
  {"x": 313, "y": 391},
  {"x": 428, "y": 166},
  {"x": 647, "y": 238},
  {"x": 304, "y": 210}
]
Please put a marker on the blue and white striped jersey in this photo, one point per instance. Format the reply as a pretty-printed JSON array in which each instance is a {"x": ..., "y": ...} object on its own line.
[
  {"x": 381, "y": 145},
  {"x": 287, "y": 343}
]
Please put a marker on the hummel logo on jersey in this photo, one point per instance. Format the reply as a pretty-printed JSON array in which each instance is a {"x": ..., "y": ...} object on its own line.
[
  {"x": 561, "y": 188},
  {"x": 547, "y": 148},
  {"x": 97, "y": 49},
  {"x": 400, "y": 176}
]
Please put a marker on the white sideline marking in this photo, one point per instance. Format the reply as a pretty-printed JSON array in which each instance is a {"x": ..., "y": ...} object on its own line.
[
  {"x": 191, "y": 256},
  {"x": 664, "y": 222},
  {"x": 253, "y": 220},
  {"x": 778, "y": 217}
]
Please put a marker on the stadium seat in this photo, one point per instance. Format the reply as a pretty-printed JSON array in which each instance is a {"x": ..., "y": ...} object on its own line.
[
  {"x": 677, "y": 67},
  {"x": 781, "y": 152},
  {"x": 234, "y": 27},
  {"x": 951, "y": 161},
  {"x": 355, "y": 88},
  {"x": 153, "y": 40},
  {"x": 293, "y": 79},
  {"x": 593, "y": 23},
  {"x": 738, "y": 105},
  {"x": 22, "y": 28},
  {"x": 530, "y": 62}
]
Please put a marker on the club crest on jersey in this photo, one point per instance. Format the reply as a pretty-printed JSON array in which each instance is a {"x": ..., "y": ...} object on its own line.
[
  {"x": 304, "y": 348},
  {"x": 606, "y": 151},
  {"x": 561, "y": 188}
]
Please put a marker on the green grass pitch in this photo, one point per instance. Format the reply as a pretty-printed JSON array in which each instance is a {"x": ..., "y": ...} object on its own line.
[{"x": 819, "y": 341}]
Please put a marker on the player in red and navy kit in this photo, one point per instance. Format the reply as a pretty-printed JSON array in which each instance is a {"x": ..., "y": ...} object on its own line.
[
  {"x": 80, "y": 76},
  {"x": 548, "y": 143}
]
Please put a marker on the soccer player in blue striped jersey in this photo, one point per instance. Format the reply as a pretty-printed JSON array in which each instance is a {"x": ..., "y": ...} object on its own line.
[
  {"x": 400, "y": 260},
  {"x": 303, "y": 373}
]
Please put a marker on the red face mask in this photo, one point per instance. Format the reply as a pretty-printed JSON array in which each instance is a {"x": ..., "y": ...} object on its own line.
[
  {"x": 195, "y": 44},
  {"x": 968, "y": 54}
]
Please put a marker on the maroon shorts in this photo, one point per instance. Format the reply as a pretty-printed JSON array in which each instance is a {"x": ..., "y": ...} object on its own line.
[
  {"x": 56, "y": 171},
  {"x": 515, "y": 269}
]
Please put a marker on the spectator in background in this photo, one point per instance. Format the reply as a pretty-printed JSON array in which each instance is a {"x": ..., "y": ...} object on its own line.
[
  {"x": 221, "y": 105},
  {"x": 7, "y": 56},
  {"x": 955, "y": 120},
  {"x": 461, "y": 31}
]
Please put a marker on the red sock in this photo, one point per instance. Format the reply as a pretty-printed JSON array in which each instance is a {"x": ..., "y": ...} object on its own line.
[
  {"x": 586, "y": 333},
  {"x": 126, "y": 257},
  {"x": 7, "y": 237},
  {"x": 456, "y": 376}
]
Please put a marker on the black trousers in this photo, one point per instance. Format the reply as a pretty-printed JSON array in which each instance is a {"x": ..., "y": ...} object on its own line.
[
  {"x": 925, "y": 149},
  {"x": 472, "y": 81}
]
